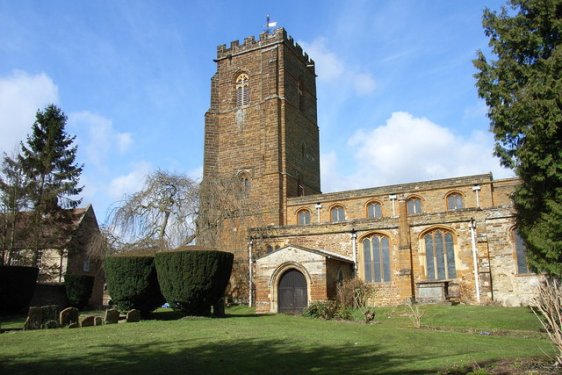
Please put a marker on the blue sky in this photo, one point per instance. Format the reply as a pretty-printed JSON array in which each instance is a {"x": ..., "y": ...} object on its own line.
[{"x": 396, "y": 95}]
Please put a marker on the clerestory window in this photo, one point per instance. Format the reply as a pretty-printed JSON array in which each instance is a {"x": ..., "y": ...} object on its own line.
[{"x": 454, "y": 202}]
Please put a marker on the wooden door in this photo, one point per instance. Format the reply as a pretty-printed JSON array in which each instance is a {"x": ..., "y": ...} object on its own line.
[{"x": 293, "y": 297}]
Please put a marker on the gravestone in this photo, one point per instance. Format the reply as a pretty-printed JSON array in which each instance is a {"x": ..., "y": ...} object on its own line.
[
  {"x": 98, "y": 321},
  {"x": 111, "y": 316},
  {"x": 74, "y": 325},
  {"x": 88, "y": 321},
  {"x": 68, "y": 316},
  {"x": 34, "y": 318},
  {"x": 133, "y": 316}
]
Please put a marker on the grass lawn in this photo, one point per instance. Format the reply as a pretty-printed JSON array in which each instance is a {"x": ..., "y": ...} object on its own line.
[{"x": 452, "y": 338}]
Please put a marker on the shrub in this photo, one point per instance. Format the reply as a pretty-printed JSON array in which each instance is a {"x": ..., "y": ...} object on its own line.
[
  {"x": 194, "y": 280},
  {"x": 132, "y": 282},
  {"x": 354, "y": 293},
  {"x": 78, "y": 289},
  {"x": 321, "y": 310},
  {"x": 17, "y": 285},
  {"x": 547, "y": 306}
]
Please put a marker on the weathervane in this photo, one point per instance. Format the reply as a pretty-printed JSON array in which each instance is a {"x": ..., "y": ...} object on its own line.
[{"x": 269, "y": 24}]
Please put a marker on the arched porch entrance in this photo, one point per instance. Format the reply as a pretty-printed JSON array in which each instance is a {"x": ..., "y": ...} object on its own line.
[{"x": 293, "y": 296}]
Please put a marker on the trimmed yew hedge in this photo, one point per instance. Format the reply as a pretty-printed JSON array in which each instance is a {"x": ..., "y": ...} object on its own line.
[
  {"x": 78, "y": 289},
  {"x": 193, "y": 280},
  {"x": 17, "y": 284},
  {"x": 132, "y": 283}
]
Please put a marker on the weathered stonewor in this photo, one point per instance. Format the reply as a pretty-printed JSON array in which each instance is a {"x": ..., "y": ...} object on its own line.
[
  {"x": 98, "y": 321},
  {"x": 111, "y": 316},
  {"x": 68, "y": 316},
  {"x": 133, "y": 316},
  {"x": 88, "y": 321},
  {"x": 34, "y": 318}
]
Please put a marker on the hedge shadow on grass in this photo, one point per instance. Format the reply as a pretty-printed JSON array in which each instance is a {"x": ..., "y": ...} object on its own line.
[{"x": 233, "y": 357}]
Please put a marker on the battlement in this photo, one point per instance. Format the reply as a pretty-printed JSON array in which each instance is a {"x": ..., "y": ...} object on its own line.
[{"x": 265, "y": 39}]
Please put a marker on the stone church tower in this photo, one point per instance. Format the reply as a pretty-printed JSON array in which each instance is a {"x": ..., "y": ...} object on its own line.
[{"x": 261, "y": 139}]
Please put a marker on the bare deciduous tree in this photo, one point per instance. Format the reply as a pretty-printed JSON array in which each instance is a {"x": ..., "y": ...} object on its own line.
[
  {"x": 547, "y": 306},
  {"x": 161, "y": 215}
]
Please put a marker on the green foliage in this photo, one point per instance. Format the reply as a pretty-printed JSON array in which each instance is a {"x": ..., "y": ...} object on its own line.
[
  {"x": 132, "y": 282},
  {"x": 321, "y": 310},
  {"x": 522, "y": 89},
  {"x": 78, "y": 289},
  {"x": 193, "y": 280},
  {"x": 17, "y": 285}
]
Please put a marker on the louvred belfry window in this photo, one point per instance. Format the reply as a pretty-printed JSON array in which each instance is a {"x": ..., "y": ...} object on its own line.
[{"x": 242, "y": 91}]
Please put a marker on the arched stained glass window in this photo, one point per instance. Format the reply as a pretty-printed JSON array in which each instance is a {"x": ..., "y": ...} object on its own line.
[
  {"x": 520, "y": 252},
  {"x": 440, "y": 255},
  {"x": 454, "y": 202},
  {"x": 376, "y": 259},
  {"x": 337, "y": 214},
  {"x": 374, "y": 210},
  {"x": 303, "y": 217}
]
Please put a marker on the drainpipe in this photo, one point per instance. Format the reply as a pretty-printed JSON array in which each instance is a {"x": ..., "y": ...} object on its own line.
[
  {"x": 474, "y": 258},
  {"x": 354, "y": 246},
  {"x": 318, "y": 208},
  {"x": 250, "y": 272},
  {"x": 476, "y": 189}
]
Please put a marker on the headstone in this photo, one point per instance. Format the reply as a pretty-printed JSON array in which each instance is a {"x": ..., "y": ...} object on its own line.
[
  {"x": 111, "y": 316},
  {"x": 88, "y": 321},
  {"x": 98, "y": 321},
  {"x": 34, "y": 318},
  {"x": 74, "y": 325},
  {"x": 68, "y": 316},
  {"x": 133, "y": 316}
]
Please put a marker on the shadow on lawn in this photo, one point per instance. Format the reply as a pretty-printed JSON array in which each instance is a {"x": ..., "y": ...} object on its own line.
[{"x": 223, "y": 357}]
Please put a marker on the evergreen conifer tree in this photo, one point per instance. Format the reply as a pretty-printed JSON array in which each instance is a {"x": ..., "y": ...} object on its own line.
[
  {"x": 523, "y": 91},
  {"x": 48, "y": 160}
]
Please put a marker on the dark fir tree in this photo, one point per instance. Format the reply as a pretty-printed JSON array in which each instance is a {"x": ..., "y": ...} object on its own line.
[
  {"x": 13, "y": 200},
  {"x": 48, "y": 160},
  {"x": 522, "y": 87}
]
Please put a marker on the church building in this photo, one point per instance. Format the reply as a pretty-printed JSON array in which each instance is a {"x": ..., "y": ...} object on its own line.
[{"x": 431, "y": 241}]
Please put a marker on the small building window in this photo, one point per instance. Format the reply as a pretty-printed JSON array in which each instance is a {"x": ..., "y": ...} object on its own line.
[
  {"x": 337, "y": 214},
  {"x": 440, "y": 255},
  {"x": 414, "y": 206},
  {"x": 242, "y": 91},
  {"x": 376, "y": 259},
  {"x": 374, "y": 210},
  {"x": 269, "y": 249},
  {"x": 454, "y": 202},
  {"x": 245, "y": 184},
  {"x": 520, "y": 252},
  {"x": 304, "y": 217}
]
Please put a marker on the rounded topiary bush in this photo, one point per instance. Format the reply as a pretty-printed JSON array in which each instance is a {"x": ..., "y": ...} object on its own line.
[
  {"x": 193, "y": 280},
  {"x": 17, "y": 284},
  {"x": 78, "y": 289},
  {"x": 132, "y": 283}
]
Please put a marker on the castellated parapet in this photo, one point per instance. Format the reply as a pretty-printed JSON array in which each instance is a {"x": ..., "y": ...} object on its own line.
[{"x": 265, "y": 39}]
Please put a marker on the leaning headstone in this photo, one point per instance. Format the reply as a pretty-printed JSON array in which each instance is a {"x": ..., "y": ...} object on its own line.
[
  {"x": 111, "y": 316},
  {"x": 133, "y": 316},
  {"x": 88, "y": 321},
  {"x": 68, "y": 316},
  {"x": 34, "y": 318},
  {"x": 98, "y": 321}
]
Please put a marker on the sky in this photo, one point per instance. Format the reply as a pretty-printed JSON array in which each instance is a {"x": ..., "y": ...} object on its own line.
[{"x": 397, "y": 100}]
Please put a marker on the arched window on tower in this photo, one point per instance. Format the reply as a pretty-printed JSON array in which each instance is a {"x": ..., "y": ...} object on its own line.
[
  {"x": 520, "y": 252},
  {"x": 440, "y": 255},
  {"x": 376, "y": 259},
  {"x": 245, "y": 183},
  {"x": 242, "y": 91}
]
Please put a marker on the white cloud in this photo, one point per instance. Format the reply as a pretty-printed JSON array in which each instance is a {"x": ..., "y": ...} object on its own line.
[
  {"x": 97, "y": 137},
  {"x": 332, "y": 69},
  {"x": 130, "y": 182},
  {"x": 21, "y": 95},
  {"x": 408, "y": 149}
]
